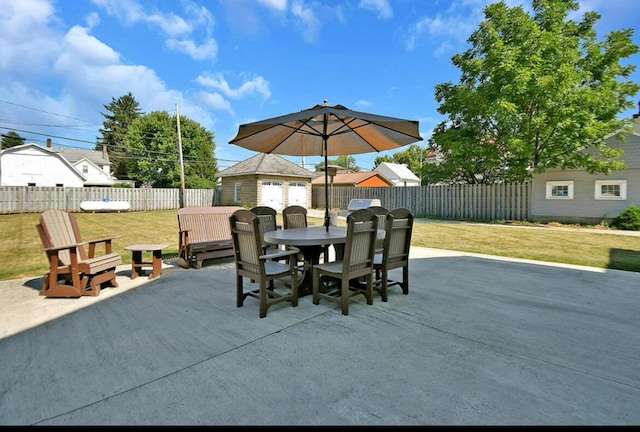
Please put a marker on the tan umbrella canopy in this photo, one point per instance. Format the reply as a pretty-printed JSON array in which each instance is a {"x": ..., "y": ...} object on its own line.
[{"x": 326, "y": 131}]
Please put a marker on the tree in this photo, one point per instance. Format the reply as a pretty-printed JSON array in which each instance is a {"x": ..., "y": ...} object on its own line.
[
  {"x": 413, "y": 157},
  {"x": 534, "y": 93},
  {"x": 124, "y": 111},
  {"x": 11, "y": 139},
  {"x": 347, "y": 162},
  {"x": 153, "y": 158}
]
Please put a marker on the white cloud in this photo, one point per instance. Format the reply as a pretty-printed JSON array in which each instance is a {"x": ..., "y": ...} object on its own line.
[
  {"x": 364, "y": 103},
  {"x": 381, "y": 7},
  {"x": 257, "y": 85},
  {"x": 308, "y": 23},
  {"x": 215, "y": 101},
  {"x": 178, "y": 30},
  {"x": 206, "y": 50},
  {"x": 279, "y": 5}
]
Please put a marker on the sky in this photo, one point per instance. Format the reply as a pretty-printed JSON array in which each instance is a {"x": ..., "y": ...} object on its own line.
[{"x": 223, "y": 63}]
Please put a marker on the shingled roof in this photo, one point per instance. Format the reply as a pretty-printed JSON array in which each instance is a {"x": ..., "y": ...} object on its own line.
[{"x": 266, "y": 163}]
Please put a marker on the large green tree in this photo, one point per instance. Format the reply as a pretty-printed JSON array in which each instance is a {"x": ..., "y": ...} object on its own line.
[
  {"x": 121, "y": 113},
  {"x": 11, "y": 139},
  {"x": 153, "y": 158},
  {"x": 534, "y": 92},
  {"x": 345, "y": 161}
]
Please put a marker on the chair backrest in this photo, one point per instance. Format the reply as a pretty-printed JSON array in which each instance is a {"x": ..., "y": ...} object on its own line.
[
  {"x": 397, "y": 240},
  {"x": 382, "y": 213},
  {"x": 59, "y": 228},
  {"x": 359, "y": 249},
  {"x": 247, "y": 245},
  {"x": 267, "y": 218},
  {"x": 294, "y": 216}
]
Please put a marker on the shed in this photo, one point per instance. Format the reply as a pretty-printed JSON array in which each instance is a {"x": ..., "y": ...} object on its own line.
[
  {"x": 266, "y": 179},
  {"x": 399, "y": 174}
]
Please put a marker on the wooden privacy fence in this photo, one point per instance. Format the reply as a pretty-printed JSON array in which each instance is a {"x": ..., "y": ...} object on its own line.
[
  {"x": 505, "y": 201},
  {"x": 35, "y": 199}
]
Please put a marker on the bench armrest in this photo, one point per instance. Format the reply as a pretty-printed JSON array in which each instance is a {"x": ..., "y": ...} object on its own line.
[{"x": 281, "y": 254}]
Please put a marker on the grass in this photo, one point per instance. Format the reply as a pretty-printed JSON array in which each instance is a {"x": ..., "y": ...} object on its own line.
[{"x": 21, "y": 252}]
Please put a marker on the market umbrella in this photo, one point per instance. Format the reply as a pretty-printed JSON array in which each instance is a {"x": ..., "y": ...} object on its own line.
[{"x": 326, "y": 131}]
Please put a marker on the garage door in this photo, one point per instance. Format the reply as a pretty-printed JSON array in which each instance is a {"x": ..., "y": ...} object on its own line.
[
  {"x": 298, "y": 194},
  {"x": 272, "y": 194}
]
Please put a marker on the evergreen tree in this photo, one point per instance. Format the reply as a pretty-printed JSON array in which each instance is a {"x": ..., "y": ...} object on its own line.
[{"x": 122, "y": 112}]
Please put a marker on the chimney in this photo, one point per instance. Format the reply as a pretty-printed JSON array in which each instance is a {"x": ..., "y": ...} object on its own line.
[
  {"x": 48, "y": 142},
  {"x": 104, "y": 151},
  {"x": 636, "y": 120}
]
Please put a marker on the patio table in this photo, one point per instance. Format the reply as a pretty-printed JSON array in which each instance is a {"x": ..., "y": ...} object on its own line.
[{"x": 311, "y": 240}]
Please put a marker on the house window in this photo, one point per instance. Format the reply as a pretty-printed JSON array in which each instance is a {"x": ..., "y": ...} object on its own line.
[
  {"x": 237, "y": 188},
  {"x": 611, "y": 190},
  {"x": 59, "y": 185},
  {"x": 85, "y": 169},
  {"x": 31, "y": 184},
  {"x": 560, "y": 190}
]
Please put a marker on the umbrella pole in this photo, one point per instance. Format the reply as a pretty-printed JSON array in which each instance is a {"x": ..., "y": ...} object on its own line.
[{"x": 326, "y": 189}]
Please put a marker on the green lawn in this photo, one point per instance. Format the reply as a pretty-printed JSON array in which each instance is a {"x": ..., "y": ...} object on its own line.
[{"x": 22, "y": 256}]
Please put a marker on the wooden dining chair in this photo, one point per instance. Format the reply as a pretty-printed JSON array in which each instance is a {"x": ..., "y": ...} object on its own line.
[
  {"x": 262, "y": 268},
  {"x": 357, "y": 262},
  {"x": 267, "y": 216},
  {"x": 294, "y": 216},
  {"x": 382, "y": 213},
  {"x": 395, "y": 252}
]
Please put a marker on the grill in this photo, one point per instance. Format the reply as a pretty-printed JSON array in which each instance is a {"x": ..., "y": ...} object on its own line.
[{"x": 357, "y": 204}]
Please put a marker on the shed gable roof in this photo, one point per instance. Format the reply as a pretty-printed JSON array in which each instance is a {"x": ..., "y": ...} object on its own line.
[
  {"x": 266, "y": 163},
  {"x": 394, "y": 171}
]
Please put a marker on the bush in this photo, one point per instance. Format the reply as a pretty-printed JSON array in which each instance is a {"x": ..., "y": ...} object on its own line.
[{"x": 628, "y": 220}]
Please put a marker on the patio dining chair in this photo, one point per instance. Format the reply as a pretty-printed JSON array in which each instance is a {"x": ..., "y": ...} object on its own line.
[
  {"x": 395, "y": 252},
  {"x": 252, "y": 263},
  {"x": 356, "y": 262},
  {"x": 382, "y": 213},
  {"x": 267, "y": 216}
]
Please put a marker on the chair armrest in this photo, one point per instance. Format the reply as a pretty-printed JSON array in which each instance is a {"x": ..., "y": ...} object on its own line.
[
  {"x": 280, "y": 254},
  {"x": 64, "y": 247},
  {"x": 102, "y": 240}
]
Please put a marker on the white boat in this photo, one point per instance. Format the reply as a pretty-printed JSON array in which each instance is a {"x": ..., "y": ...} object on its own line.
[{"x": 105, "y": 206}]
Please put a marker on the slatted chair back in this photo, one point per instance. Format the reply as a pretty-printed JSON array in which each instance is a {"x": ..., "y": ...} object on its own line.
[
  {"x": 267, "y": 217},
  {"x": 253, "y": 264},
  {"x": 357, "y": 262},
  {"x": 59, "y": 228},
  {"x": 395, "y": 253},
  {"x": 382, "y": 213},
  {"x": 294, "y": 216}
]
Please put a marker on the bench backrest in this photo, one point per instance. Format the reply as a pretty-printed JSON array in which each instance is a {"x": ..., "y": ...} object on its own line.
[{"x": 206, "y": 224}]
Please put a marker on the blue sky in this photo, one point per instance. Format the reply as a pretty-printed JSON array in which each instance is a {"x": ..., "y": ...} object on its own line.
[{"x": 228, "y": 62}]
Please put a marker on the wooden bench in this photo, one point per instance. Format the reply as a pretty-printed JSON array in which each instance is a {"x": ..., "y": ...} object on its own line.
[{"x": 204, "y": 233}]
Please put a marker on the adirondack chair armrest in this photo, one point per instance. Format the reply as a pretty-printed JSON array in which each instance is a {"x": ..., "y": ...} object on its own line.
[
  {"x": 105, "y": 240},
  {"x": 281, "y": 254},
  {"x": 102, "y": 239},
  {"x": 64, "y": 247}
]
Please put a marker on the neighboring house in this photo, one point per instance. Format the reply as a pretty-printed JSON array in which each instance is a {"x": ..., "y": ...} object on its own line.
[
  {"x": 399, "y": 174},
  {"x": 574, "y": 196},
  {"x": 355, "y": 179},
  {"x": 266, "y": 179},
  {"x": 34, "y": 165}
]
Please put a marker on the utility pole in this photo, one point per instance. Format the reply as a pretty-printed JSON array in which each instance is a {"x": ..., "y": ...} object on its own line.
[{"x": 182, "y": 187}]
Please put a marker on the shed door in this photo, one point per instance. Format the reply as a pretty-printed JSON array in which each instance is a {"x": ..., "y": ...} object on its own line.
[
  {"x": 298, "y": 194},
  {"x": 272, "y": 194}
]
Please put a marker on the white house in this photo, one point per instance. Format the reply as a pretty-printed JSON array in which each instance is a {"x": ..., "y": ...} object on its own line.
[
  {"x": 399, "y": 174},
  {"x": 34, "y": 165}
]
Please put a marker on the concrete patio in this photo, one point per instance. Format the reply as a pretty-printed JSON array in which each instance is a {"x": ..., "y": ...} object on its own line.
[{"x": 478, "y": 341}]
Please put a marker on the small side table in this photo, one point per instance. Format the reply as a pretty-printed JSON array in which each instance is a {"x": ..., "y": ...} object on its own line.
[{"x": 138, "y": 264}]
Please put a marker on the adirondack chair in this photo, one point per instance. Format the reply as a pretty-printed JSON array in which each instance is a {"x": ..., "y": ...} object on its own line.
[{"x": 73, "y": 272}]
